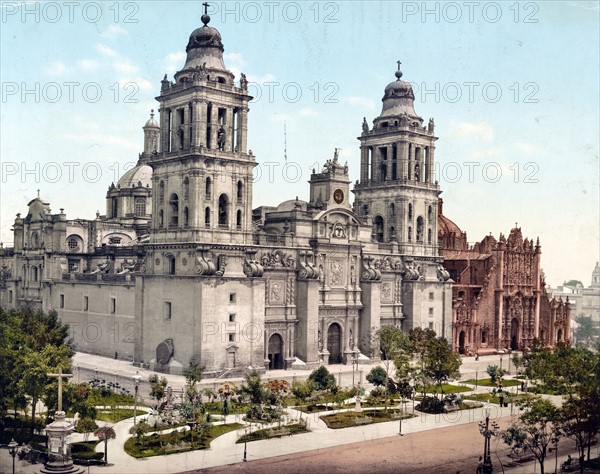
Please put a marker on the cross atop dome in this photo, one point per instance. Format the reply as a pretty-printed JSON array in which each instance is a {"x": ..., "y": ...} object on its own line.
[
  {"x": 206, "y": 17},
  {"x": 398, "y": 73}
]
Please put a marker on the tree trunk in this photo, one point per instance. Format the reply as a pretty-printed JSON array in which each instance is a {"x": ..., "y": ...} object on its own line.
[
  {"x": 33, "y": 404},
  {"x": 106, "y": 449}
]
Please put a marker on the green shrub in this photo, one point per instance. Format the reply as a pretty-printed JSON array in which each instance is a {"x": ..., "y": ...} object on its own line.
[{"x": 323, "y": 379}]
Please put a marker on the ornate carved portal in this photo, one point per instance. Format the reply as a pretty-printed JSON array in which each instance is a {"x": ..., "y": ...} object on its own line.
[{"x": 275, "y": 353}]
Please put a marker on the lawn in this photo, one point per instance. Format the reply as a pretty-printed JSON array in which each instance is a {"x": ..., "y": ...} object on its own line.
[
  {"x": 367, "y": 417},
  {"x": 115, "y": 415},
  {"x": 489, "y": 383},
  {"x": 175, "y": 442},
  {"x": 216, "y": 408},
  {"x": 275, "y": 432}
]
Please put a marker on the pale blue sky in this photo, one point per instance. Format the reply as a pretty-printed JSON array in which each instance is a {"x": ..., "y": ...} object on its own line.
[{"x": 541, "y": 132}]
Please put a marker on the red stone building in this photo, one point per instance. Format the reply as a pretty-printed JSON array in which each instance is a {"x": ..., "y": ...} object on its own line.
[{"x": 499, "y": 299}]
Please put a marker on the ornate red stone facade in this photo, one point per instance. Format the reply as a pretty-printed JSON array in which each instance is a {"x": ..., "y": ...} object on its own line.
[{"x": 499, "y": 299}]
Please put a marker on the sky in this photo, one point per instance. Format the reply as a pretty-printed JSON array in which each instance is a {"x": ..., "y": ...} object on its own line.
[{"x": 513, "y": 88}]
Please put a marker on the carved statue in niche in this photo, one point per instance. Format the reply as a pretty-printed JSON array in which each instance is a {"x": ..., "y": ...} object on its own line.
[
  {"x": 386, "y": 291},
  {"x": 417, "y": 172},
  {"x": 337, "y": 272},
  {"x": 353, "y": 275},
  {"x": 351, "y": 339},
  {"x": 338, "y": 231},
  {"x": 275, "y": 291},
  {"x": 321, "y": 274},
  {"x": 320, "y": 340},
  {"x": 221, "y": 139}
]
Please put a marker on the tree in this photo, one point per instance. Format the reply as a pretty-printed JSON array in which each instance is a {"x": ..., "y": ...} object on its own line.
[
  {"x": 538, "y": 427},
  {"x": 254, "y": 388},
  {"x": 495, "y": 373},
  {"x": 105, "y": 433},
  {"x": 193, "y": 374},
  {"x": 440, "y": 363},
  {"x": 86, "y": 426},
  {"x": 392, "y": 344},
  {"x": 323, "y": 379},
  {"x": 158, "y": 387},
  {"x": 377, "y": 376},
  {"x": 585, "y": 328},
  {"x": 139, "y": 430},
  {"x": 302, "y": 389}
]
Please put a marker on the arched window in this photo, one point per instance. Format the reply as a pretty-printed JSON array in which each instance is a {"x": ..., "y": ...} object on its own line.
[
  {"x": 409, "y": 233},
  {"x": 429, "y": 236},
  {"x": 238, "y": 219},
  {"x": 72, "y": 243},
  {"x": 208, "y": 187},
  {"x": 392, "y": 233},
  {"x": 429, "y": 213},
  {"x": 174, "y": 204},
  {"x": 410, "y": 212},
  {"x": 161, "y": 191},
  {"x": 378, "y": 222},
  {"x": 140, "y": 207},
  {"x": 186, "y": 216},
  {"x": 223, "y": 210},
  {"x": 114, "y": 207},
  {"x": 161, "y": 218},
  {"x": 392, "y": 210},
  {"x": 34, "y": 274},
  {"x": 419, "y": 229},
  {"x": 186, "y": 188},
  {"x": 240, "y": 190},
  {"x": 172, "y": 265},
  {"x": 207, "y": 217}
]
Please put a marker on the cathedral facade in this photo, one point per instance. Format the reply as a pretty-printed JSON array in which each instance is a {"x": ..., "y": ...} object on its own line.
[{"x": 182, "y": 266}]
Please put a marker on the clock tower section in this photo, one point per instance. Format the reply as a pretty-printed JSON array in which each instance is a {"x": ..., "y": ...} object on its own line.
[
  {"x": 397, "y": 188},
  {"x": 202, "y": 175},
  {"x": 330, "y": 187}
]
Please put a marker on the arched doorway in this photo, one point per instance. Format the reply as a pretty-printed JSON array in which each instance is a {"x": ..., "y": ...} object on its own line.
[
  {"x": 514, "y": 334},
  {"x": 461, "y": 342},
  {"x": 559, "y": 336},
  {"x": 275, "y": 352},
  {"x": 334, "y": 343}
]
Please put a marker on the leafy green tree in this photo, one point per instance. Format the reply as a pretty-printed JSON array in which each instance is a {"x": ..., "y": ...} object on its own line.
[
  {"x": 86, "y": 426},
  {"x": 139, "y": 430},
  {"x": 377, "y": 376},
  {"x": 302, "y": 389},
  {"x": 585, "y": 329},
  {"x": 194, "y": 372},
  {"x": 158, "y": 389},
  {"x": 393, "y": 342},
  {"x": 323, "y": 379},
  {"x": 440, "y": 363},
  {"x": 254, "y": 388},
  {"x": 495, "y": 373},
  {"x": 537, "y": 428}
]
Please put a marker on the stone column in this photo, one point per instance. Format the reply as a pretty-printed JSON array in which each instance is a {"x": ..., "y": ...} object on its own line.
[
  {"x": 199, "y": 123},
  {"x": 364, "y": 164},
  {"x": 411, "y": 162},
  {"x": 388, "y": 163},
  {"x": 430, "y": 164},
  {"x": 187, "y": 138},
  {"x": 403, "y": 159},
  {"x": 214, "y": 126},
  {"x": 228, "y": 126},
  {"x": 242, "y": 129},
  {"x": 164, "y": 128}
]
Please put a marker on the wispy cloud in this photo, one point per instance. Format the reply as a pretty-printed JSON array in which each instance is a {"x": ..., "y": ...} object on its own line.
[
  {"x": 113, "y": 32},
  {"x": 88, "y": 65},
  {"x": 477, "y": 130},
  {"x": 174, "y": 62},
  {"x": 56, "y": 69},
  {"x": 308, "y": 112}
]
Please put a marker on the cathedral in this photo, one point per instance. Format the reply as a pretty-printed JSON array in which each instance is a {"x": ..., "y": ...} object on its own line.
[{"x": 182, "y": 266}]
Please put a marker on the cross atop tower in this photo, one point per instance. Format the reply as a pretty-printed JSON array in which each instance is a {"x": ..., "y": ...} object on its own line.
[
  {"x": 398, "y": 73},
  {"x": 60, "y": 376},
  {"x": 205, "y": 5}
]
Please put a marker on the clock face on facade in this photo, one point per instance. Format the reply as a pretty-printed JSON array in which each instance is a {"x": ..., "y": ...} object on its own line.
[{"x": 338, "y": 196}]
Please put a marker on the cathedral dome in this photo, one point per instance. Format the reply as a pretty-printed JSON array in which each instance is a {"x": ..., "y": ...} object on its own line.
[
  {"x": 136, "y": 175},
  {"x": 398, "y": 99},
  {"x": 152, "y": 122},
  {"x": 205, "y": 49}
]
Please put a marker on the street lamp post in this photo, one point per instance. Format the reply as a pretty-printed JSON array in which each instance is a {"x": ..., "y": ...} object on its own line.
[
  {"x": 487, "y": 432},
  {"x": 500, "y": 361},
  {"x": 136, "y": 383},
  {"x": 245, "y": 444},
  {"x": 354, "y": 365},
  {"x": 12, "y": 449}
]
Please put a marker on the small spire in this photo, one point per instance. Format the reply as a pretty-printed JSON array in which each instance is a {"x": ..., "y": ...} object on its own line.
[
  {"x": 398, "y": 72},
  {"x": 38, "y": 192},
  {"x": 206, "y": 17},
  {"x": 152, "y": 113}
]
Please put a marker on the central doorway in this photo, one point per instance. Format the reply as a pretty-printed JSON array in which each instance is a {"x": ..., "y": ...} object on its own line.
[
  {"x": 275, "y": 352},
  {"x": 461, "y": 342},
  {"x": 334, "y": 343},
  {"x": 514, "y": 334}
]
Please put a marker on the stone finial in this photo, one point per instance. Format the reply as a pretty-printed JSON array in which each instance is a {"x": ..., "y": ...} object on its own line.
[{"x": 398, "y": 73}]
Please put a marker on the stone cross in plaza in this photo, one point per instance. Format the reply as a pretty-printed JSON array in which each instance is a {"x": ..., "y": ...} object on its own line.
[{"x": 60, "y": 376}]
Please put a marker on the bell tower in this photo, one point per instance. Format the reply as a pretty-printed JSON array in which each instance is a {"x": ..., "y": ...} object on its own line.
[
  {"x": 202, "y": 174},
  {"x": 397, "y": 187}
]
